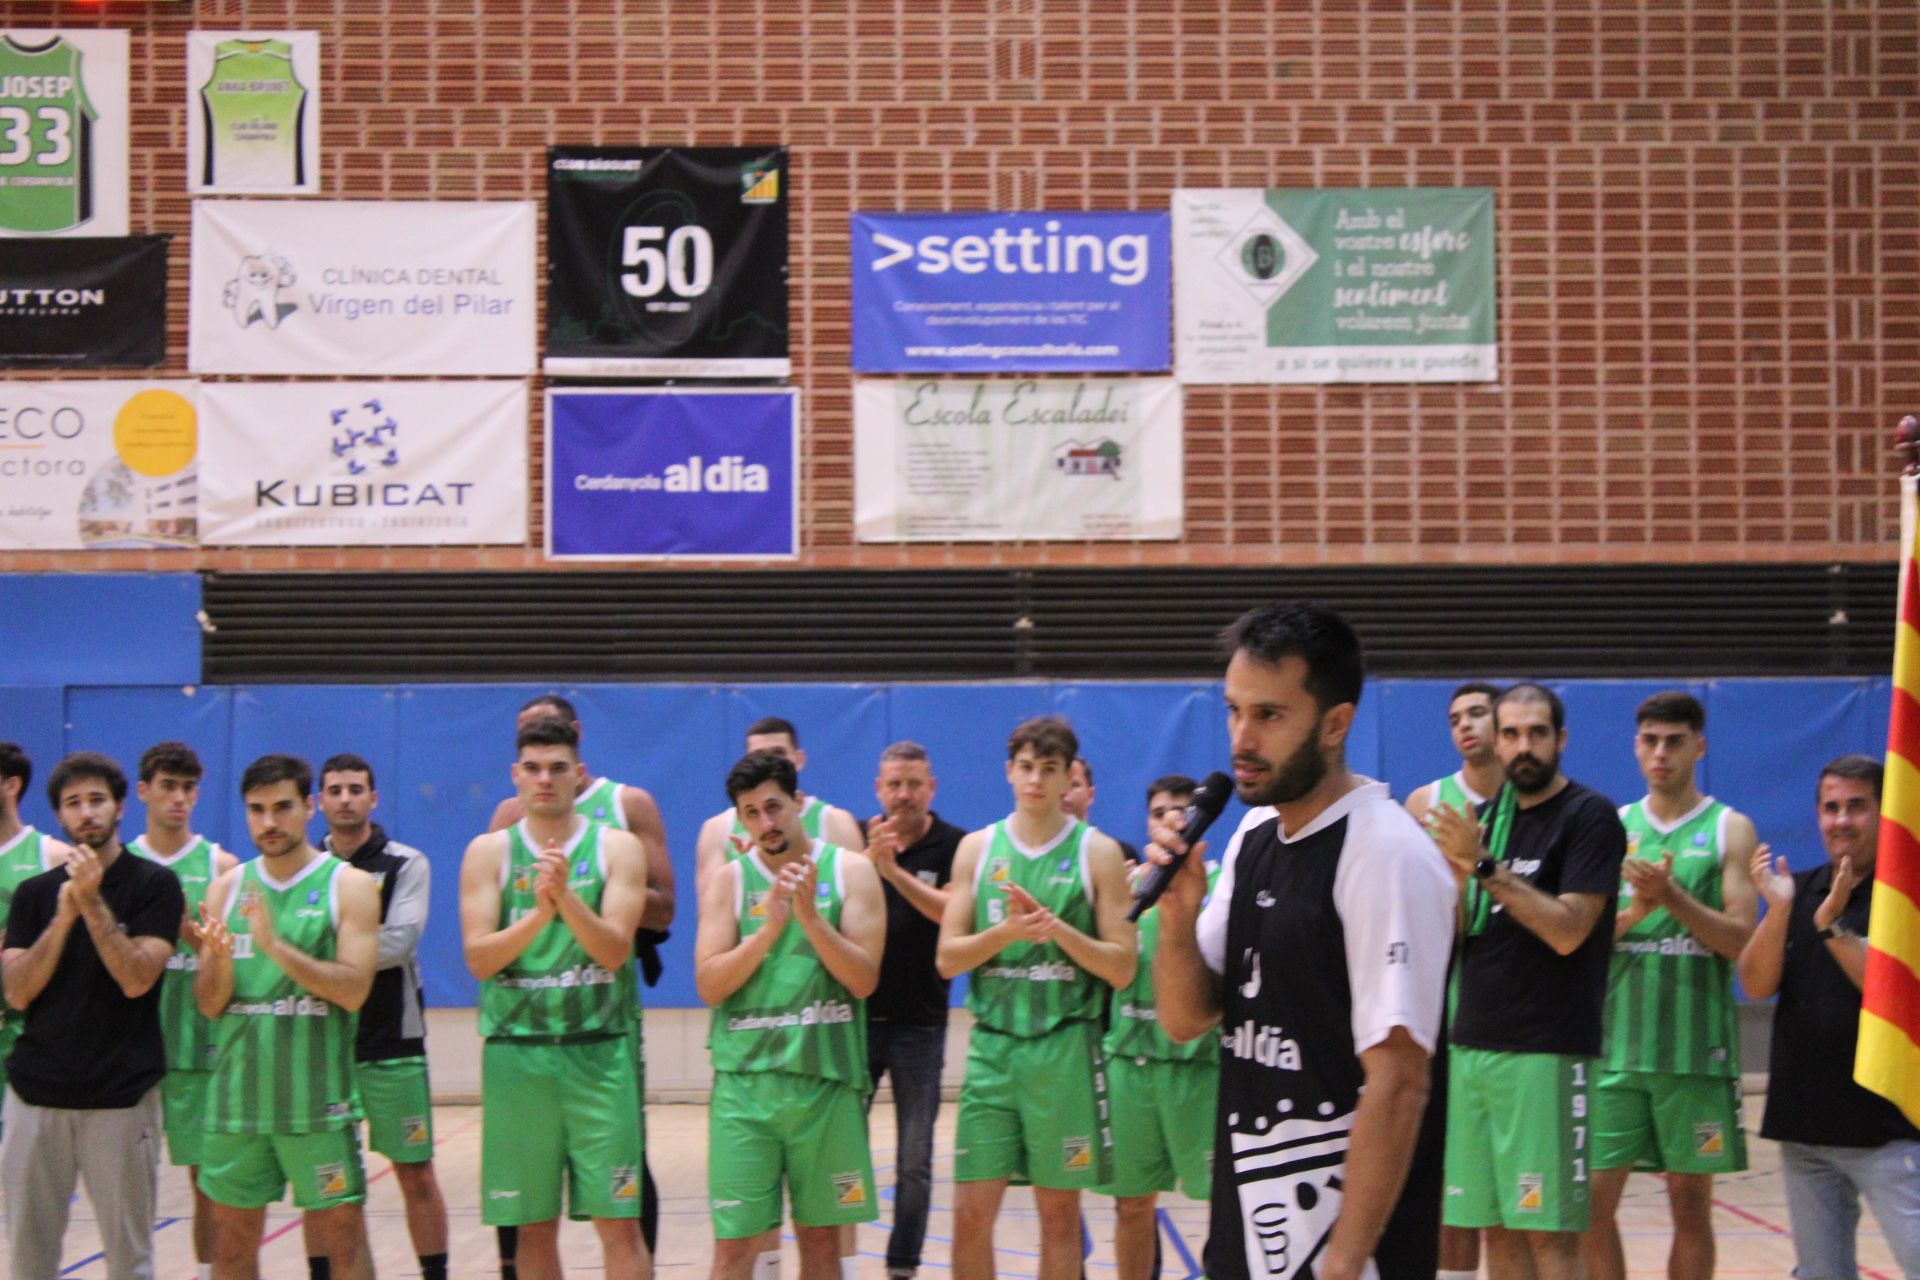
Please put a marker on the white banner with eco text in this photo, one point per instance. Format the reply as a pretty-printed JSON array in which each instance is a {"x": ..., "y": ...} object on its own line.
[
  {"x": 1040, "y": 459},
  {"x": 362, "y": 287},
  {"x": 102, "y": 465},
  {"x": 310, "y": 464}
]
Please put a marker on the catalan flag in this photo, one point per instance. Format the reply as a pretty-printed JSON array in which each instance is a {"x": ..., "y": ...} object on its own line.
[{"x": 1888, "y": 1058}]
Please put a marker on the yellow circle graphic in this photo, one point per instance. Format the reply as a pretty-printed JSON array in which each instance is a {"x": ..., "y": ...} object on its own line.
[{"x": 155, "y": 433}]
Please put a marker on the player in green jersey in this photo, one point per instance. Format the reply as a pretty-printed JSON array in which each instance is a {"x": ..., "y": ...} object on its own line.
[
  {"x": 24, "y": 852},
  {"x": 630, "y": 808},
  {"x": 169, "y": 787},
  {"x": 548, "y": 910},
  {"x": 46, "y": 137},
  {"x": 1037, "y": 913},
  {"x": 1667, "y": 1088},
  {"x": 724, "y": 837},
  {"x": 1159, "y": 1089},
  {"x": 253, "y": 109},
  {"x": 287, "y": 953},
  {"x": 1470, "y": 724},
  {"x": 789, "y": 948}
]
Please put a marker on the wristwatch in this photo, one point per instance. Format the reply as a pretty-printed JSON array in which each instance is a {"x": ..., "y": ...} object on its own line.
[
  {"x": 1484, "y": 869},
  {"x": 1834, "y": 930}
]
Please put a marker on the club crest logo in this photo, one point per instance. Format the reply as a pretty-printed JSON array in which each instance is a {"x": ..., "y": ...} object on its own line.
[
  {"x": 414, "y": 1131},
  {"x": 331, "y": 1179},
  {"x": 849, "y": 1189},
  {"x": 1709, "y": 1139},
  {"x": 1077, "y": 1153},
  {"x": 624, "y": 1182},
  {"x": 999, "y": 871},
  {"x": 760, "y": 181},
  {"x": 1533, "y": 1193}
]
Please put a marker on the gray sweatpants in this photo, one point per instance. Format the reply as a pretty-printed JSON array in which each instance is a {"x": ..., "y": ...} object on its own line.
[{"x": 116, "y": 1152}]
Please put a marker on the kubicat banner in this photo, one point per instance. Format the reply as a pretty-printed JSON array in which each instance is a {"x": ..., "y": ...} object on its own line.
[
  {"x": 310, "y": 464},
  {"x": 83, "y": 302},
  {"x": 667, "y": 262},
  {"x": 63, "y": 133},
  {"x": 645, "y": 474},
  {"x": 103, "y": 465},
  {"x": 362, "y": 287},
  {"x": 1368, "y": 285},
  {"x": 970, "y": 460},
  {"x": 1016, "y": 292}
]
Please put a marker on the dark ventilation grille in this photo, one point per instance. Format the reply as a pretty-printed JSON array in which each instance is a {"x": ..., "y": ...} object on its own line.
[{"x": 1690, "y": 620}]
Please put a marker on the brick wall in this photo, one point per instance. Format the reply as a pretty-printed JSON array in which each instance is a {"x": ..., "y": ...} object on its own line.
[{"x": 1709, "y": 219}]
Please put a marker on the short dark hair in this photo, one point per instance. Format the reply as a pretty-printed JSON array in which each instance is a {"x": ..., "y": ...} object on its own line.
[
  {"x": 905, "y": 750},
  {"x": 757, "y": 767},
  {"x": 1528, "y": 691},
  {"x": 86, "y": 766},
  {"x": 176, "y": 758},
  {"x": 347, "y": 762},
  {"x": 15, "y": 764},
  {"x": 547, "y": 731},
  {"x": 553, "y": 700},
  {"x": 1316, "y": 635},
  {"x": 269, "y": 771},
  {"x": 1672, "y": 707},
  {"x": 1178, "y": 784},
  {"x": 774, "y": 724},
  {"x": 1086, "y": 767},
  {"x": 1855, "y": 766},
  {"x": 1473, "y": 686},
  {"x": 1051, "y": 738}
]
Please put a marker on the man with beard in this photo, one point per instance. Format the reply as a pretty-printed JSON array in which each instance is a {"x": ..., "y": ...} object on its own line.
[
  {"x": 1540, "y": 894},
  {"x": 86, "y": 945},
  {"x": 1322, "y": 954},
  {"x": 913, "y": 850}
]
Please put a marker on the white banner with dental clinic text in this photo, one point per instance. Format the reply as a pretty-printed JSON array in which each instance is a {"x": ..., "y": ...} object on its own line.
[
  {"x": 1053, "y": 459},
  {"x": 362, "y": 287},
  {"x": 312, "y": 464}
]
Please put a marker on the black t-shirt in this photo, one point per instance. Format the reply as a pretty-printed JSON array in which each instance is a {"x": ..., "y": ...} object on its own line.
[
  {"x": 87, "y": 1046},
  {"x": 1517, "y": 994},
  {"x": 911, "y": 990},
  {"x": 1811, "y": 1094}
]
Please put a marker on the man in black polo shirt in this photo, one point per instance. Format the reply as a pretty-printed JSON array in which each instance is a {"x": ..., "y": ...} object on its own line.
[
  {"x": 1539, "y": 895},
  {"x": 1837, "y": 1140},
  {"x": 83, "y": 1096},
  {"x": 912, "y": 849}
]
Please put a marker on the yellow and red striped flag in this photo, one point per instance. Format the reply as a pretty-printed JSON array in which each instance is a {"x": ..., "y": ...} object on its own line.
[{"x": 1888, "y": 1058}]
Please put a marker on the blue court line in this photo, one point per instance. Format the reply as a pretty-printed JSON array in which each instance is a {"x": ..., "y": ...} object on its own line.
[
  {"x": 1179, "y": 1244},
  {"x": 69, "y": 1270}
]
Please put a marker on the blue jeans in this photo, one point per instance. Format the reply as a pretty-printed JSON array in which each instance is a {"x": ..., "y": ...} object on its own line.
[
  {"x": 1824, "y": 1186},
  {"x": 911, "y": 1057}
]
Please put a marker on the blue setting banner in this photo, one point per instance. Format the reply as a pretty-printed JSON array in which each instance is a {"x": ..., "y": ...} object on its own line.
[
  {"x": 1011, "y": 292},
  {"x": 646, "y": 474}
]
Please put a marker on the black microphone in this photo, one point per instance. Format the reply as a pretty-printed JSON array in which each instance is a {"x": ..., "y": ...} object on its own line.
[{"x": 1205, "y": 806}]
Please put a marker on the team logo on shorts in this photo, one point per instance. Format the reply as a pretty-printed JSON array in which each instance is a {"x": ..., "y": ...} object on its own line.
[
  {"x": 1077, "y": 1153},
  {"x": 849, "y": 1190},
  {"x": 998, "y": 871},
  {"x": 413, "y": 1130},
  {"x": 330, "y": 1178},
  {"x": 1533, "y": 1193},
  {"x": 625, "y": 1182},
  {"x": 1709, "y": 1139}
]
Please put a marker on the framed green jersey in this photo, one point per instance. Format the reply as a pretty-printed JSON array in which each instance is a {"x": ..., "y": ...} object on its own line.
[
  {"x": 253, "y": 113},
  {"x": 63, "y": 133}
]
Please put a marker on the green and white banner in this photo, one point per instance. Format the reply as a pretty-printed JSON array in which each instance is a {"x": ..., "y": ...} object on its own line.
[
  {"x": 1060, "y": 459},
  {"x": 1356, "y": 285}
]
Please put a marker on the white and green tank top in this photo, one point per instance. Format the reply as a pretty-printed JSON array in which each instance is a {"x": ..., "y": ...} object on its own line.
[
  {"x": 554, "y": 989},
  {"x": 21, "y": 857},
  {"x": 283, "y": 1057},
  {"x": 601, "y": 803},
  {"x": 792, "y": 1015},
  {"x": 1669, "y": 998},
  {"x": 189, "y": 1036},
  {"x": 46, "y": 137},
  {"x": 1030, "y": 988},
  {"x": 254, "y": 107},
  {"x": 1454, "y": 792},
  {"x": 1134, "y": 1030}
]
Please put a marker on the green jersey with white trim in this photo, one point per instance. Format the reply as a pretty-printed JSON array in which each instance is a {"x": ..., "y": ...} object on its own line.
[
  {"x": 601, "y": 803},
  {"x": 1134, "y": 1031},
  {"x": 792, "y": 1015},
  {"x": 283, "y": 1057},
  {"x": 1670, "y": 998},
  {"x": 189, "y": 1036},
  {"x": 46, "y": 137},
  {"x": 1452, "y": 791},
  {"x": 22, "y": 857},
  {"x": 1030, "y": 988},
  {"x": 554, "y": 988}
]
